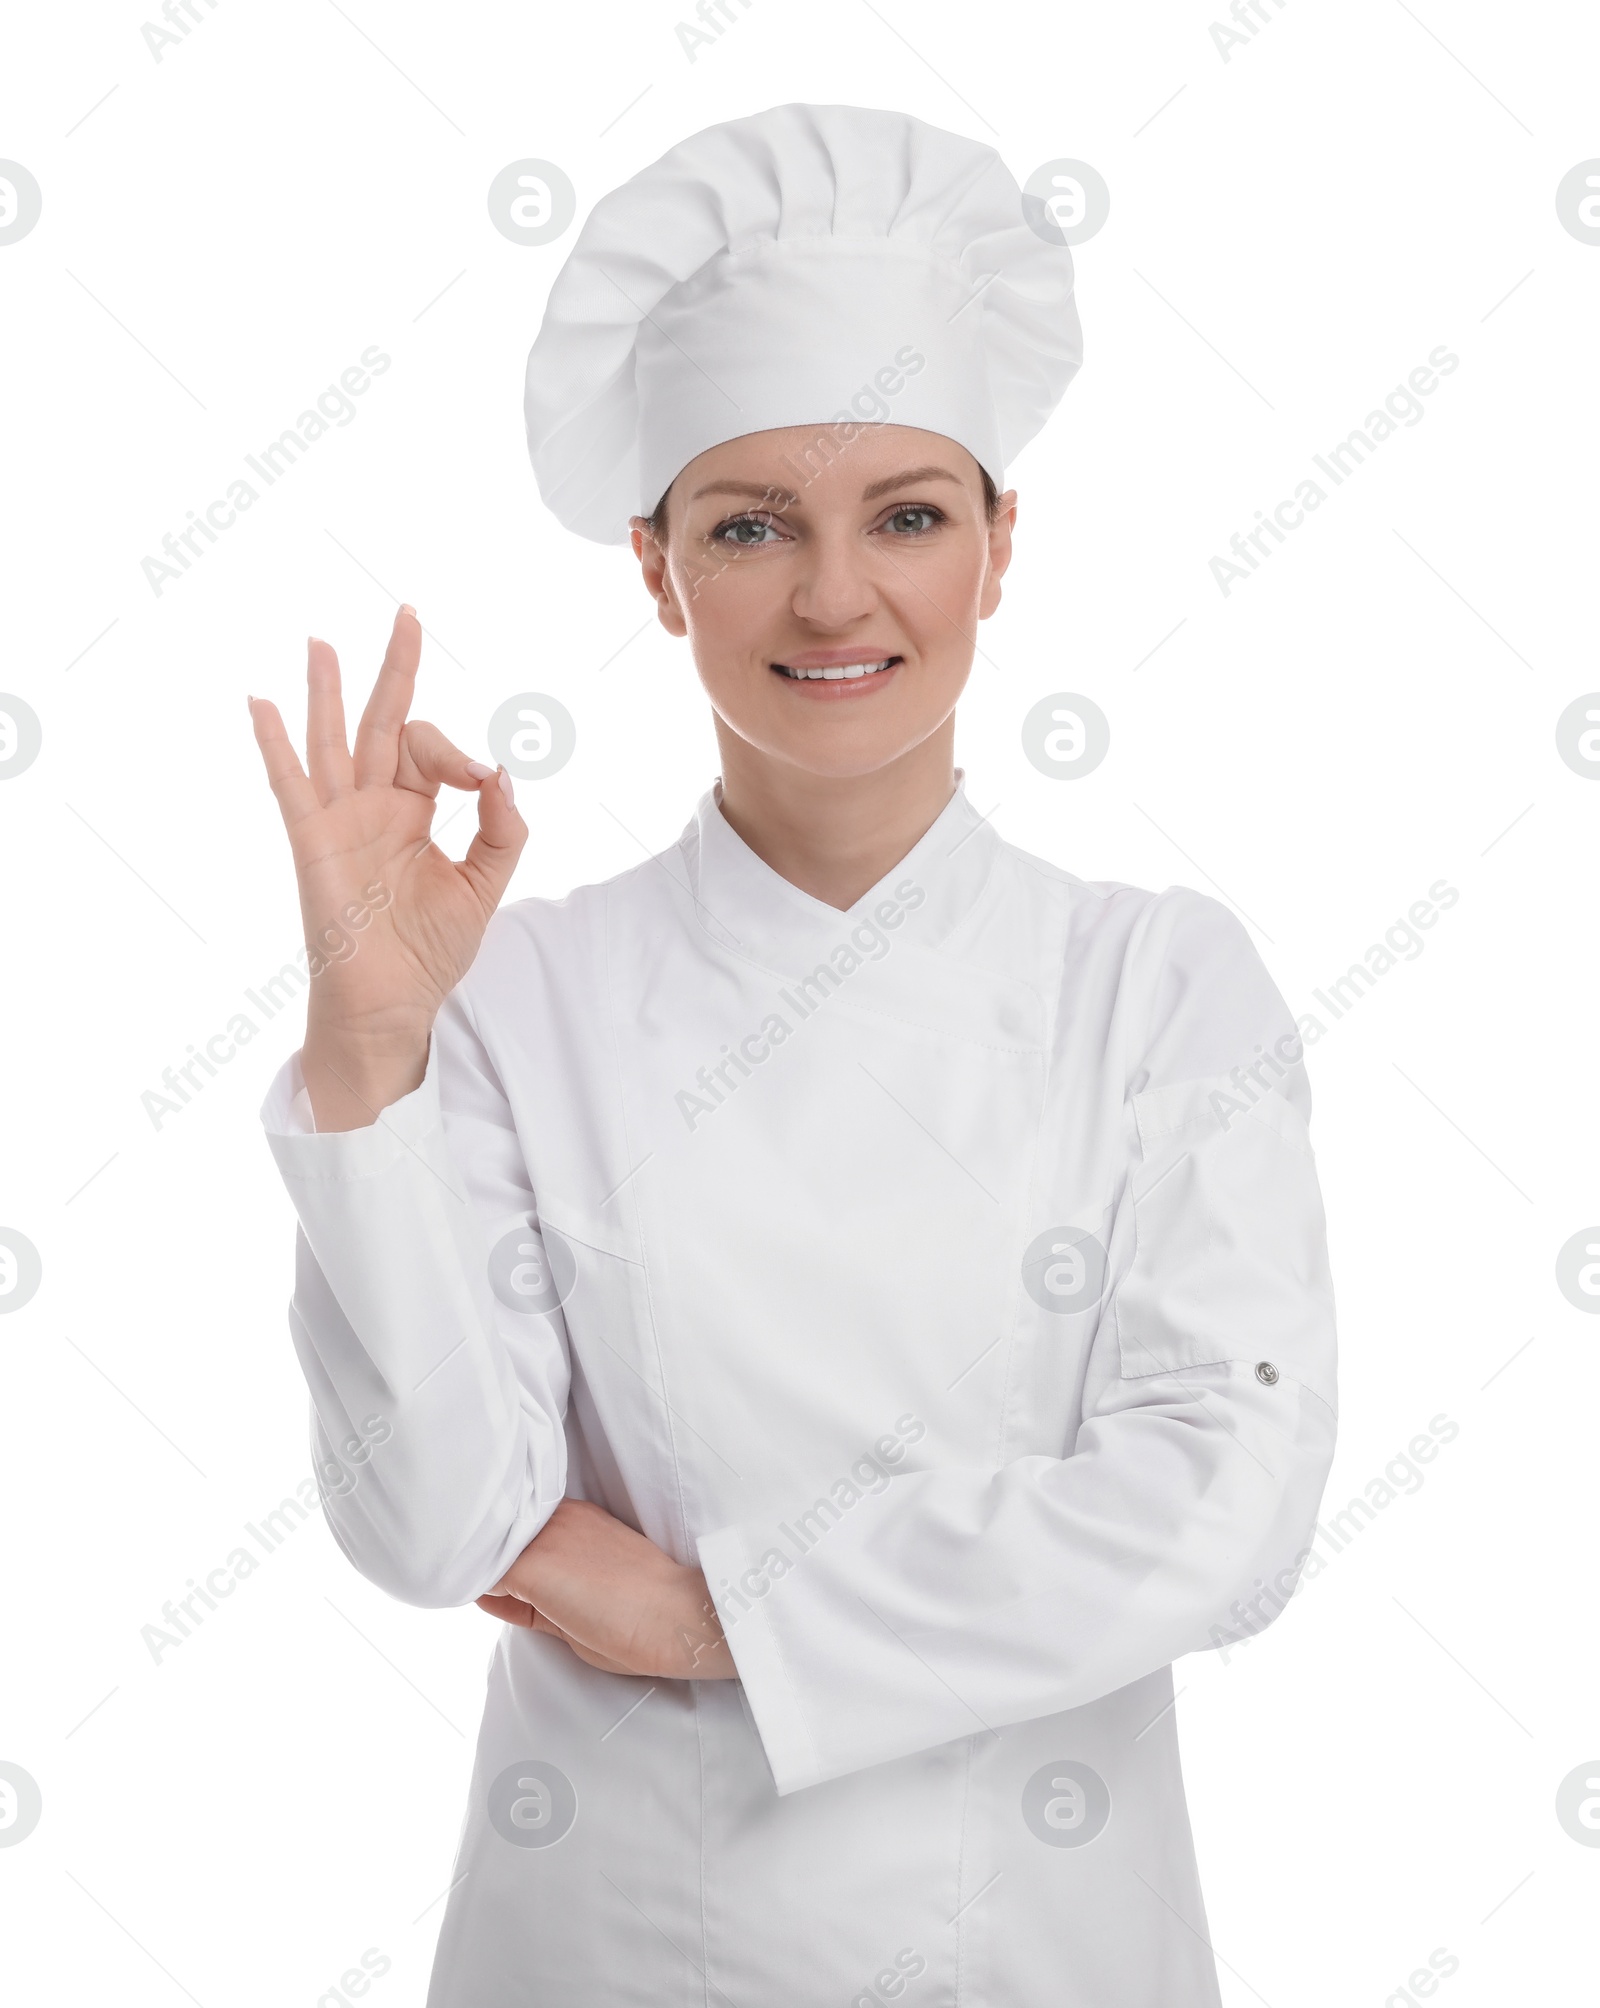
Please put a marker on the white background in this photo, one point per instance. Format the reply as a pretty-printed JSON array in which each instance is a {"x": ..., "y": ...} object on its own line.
[{"x": 1292, "y": 231}]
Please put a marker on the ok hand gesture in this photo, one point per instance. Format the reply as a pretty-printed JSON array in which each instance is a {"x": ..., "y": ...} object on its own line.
[{"x": 358, "y": 828}]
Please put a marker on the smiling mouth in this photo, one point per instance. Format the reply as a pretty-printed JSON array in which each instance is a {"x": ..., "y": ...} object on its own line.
[{"x": 837, "y": 672}]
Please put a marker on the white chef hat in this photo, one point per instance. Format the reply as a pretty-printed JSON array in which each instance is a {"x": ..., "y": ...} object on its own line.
[{"x": 813, "y": 264}]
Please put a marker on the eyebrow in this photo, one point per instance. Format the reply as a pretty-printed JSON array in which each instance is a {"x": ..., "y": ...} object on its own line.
[
  {"x": 787, "y": 499},
  {"x": 911, "y": 474}
]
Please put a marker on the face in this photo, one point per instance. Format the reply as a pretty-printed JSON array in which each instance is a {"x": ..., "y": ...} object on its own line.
[{"x": 830, "y": 587}]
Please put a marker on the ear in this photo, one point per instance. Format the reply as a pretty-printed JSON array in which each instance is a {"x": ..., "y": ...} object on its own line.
[
  {"x": 657, "y": 579},
  {"x": 999, "y": 555}
]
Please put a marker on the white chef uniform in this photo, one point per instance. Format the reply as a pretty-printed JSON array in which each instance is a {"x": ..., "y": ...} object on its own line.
[
  {"x": 956, "y": 1534},
  {"x": 947, "y": 1277}
]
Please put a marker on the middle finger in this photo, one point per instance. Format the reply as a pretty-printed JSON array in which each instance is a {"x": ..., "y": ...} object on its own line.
[{"x": 327, "y": 755}]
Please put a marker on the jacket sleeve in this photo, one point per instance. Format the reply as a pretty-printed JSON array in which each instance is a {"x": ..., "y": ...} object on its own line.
[
  {"x": 437, "y": 1408},
  {"x": 960, "y": 1599}
]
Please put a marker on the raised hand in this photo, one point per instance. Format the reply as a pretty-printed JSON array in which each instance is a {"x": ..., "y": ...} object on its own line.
[{"x": 370, "y": 875}]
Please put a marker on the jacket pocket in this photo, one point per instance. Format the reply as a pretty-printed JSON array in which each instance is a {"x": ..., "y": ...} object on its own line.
[{"x": 1230, "y": 1251}]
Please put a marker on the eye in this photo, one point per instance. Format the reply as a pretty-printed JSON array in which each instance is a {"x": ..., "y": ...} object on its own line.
[
  {"x": 747, "y": 532},
  {"x": 904, "y": 521}
]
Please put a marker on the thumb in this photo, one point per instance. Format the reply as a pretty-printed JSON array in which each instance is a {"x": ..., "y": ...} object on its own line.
[
  {"x": 510, "y": 1610},
  {"x": 492, "y": 855}
]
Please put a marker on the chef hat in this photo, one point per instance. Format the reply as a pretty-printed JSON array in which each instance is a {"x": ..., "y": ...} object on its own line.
[{"x": 813, "y": 264}]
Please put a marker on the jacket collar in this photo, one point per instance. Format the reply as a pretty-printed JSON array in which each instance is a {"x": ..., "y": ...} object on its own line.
[{"x": 748, "y": 907}]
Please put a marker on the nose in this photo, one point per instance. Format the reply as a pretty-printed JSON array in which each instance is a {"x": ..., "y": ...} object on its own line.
[{"x": 834, "y": 587}]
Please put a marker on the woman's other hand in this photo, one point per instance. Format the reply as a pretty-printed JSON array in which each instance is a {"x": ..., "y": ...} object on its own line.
[
  {"x": 391, "y": 923},
  {"x": 618, "y": 1600}
]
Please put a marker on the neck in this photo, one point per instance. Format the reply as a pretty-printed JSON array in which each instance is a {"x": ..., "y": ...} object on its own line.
[{"x": 835, "y": 836}]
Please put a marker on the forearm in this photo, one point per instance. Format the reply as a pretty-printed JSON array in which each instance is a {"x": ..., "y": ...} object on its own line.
[
  {"x": 404, "y": 1345},
  {"x": 434, "y": 1477},
  {"x": 960, "y": 1598}
]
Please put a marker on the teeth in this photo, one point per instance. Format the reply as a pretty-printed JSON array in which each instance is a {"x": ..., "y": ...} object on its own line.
[{"x": 848, "y": 670}]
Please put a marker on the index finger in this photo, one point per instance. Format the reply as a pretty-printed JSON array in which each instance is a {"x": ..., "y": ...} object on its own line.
[{"x": 377, "y": 748}]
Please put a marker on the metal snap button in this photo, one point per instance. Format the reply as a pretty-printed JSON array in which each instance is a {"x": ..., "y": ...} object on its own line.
[{"x": 1266, "y": 1373}]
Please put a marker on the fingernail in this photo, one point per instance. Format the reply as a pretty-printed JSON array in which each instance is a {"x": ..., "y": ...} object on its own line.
[
  {"x": 479, "y": 771},
  {"x": 505, "y": 789},
  {"x": 252, "y": 704},
  {"x": 409, "y": 610}
]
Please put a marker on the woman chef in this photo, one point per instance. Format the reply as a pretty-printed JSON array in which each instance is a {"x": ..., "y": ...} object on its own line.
[{"x": 850, "y": 1296}]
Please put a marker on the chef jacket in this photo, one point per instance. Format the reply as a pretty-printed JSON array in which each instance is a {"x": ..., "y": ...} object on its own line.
[{"x": 947, "y": 1278}]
